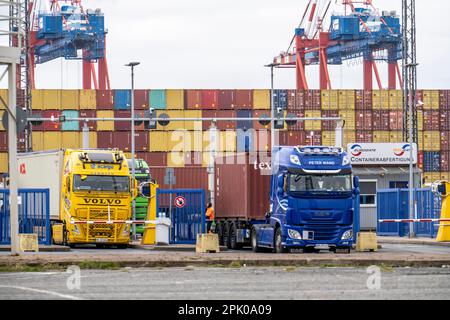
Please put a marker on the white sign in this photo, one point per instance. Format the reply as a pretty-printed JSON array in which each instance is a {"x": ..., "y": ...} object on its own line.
[{"x": 381, "y": 153}]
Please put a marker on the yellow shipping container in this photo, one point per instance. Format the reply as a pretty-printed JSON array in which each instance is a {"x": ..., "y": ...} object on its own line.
[
  {"x": 435, "y": 176},
  {"x": 381, "y": 136},
  {"x": 347, "y": 99},
  {"x": 350, "y": 119},
  {"x": 427, "y": 176},
  {"x": 88, "y": 99},
  {"x": 315, "y": 125},
  {"x": 36, "y": 99},
  {"x": 395, "y": 100},
  {"x": 261, "y": 99},
  {"x": 396, "y": 136},
  {"x": 173, "y": 125},
  {"x": 432, "y": 141},
  {"x": 1, "y": 122},
  {"x": 92, "y": 140},
  {"x": 445, "y": 176},
  {"x": 70, "y": 100},
  {"x": 175, "y": 159},
  {"x": 158, "y": 141},
  {"x": 193, "y": 125},
  {"x": 420, "y": 120},
  {"x": 328, "y": 138},
  {"x": 175, "y": 99},
  {"x": 105, "y": 125},
  {"x": 5, "y": 97},
  {"x": 52, "y": 140},
  {"x": 431, "y": 99},
  {"x": 37, "y": 141},
  {"x": 70, "y": 140},
  {"x": 330, "y": 100},
  {"x": 349, "y": 137},
  {"x": 3, "y": 162},
  {"x": 420, "y": 140},
  {"x": 176, "y": 141},
  {"x": 384, "y": 99},
  {"x": 227, "y": 142},
  {"x": 51, "y": 99}
]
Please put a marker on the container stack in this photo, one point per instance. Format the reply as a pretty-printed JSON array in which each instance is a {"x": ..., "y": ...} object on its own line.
[{"x": 370, "y": 117}]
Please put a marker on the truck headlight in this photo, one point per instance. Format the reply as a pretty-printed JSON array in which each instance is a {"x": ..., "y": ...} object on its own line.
[
  {"x": 295, "y": 160},
  {"x": 294, "y": 234},
  {"x": 347, "y": 235},
  {"x": 346, "y": 161}
]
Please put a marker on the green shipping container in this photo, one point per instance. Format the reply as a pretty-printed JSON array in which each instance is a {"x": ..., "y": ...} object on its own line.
[
  {"x": 158, "y": 99},
  {"x": 70, "y": 125}
]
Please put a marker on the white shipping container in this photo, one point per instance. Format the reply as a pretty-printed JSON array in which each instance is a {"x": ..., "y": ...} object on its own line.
[{"x": 43, "y": 170}]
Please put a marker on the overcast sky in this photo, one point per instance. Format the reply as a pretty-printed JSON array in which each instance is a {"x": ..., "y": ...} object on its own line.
[{"x": 226, "y": 43}]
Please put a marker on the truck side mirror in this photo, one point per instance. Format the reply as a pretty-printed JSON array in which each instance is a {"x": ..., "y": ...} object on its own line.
[
  {"x": 356, "y": 184},
  {"x": 442, "y": 189},
  {"x": 280, "y": 185}
]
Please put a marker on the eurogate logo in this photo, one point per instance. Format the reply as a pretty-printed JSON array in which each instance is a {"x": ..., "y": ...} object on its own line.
[
  {"x": 399, "y": 152},
  {"x": 356, "y": 150}
]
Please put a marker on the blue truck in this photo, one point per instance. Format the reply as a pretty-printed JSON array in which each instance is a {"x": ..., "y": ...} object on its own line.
[{"x": 311, "y": 198}]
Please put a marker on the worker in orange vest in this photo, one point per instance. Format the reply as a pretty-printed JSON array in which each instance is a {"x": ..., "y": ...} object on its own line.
[{"x": 209, "y": 217}]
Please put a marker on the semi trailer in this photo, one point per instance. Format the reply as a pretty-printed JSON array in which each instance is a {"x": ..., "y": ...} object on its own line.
[
  {"x": 303, "y": 199},
  {"x": 90, "y": 194}
]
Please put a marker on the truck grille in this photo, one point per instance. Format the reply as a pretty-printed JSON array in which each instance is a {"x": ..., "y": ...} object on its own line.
[{"x": 324, "y": 231}]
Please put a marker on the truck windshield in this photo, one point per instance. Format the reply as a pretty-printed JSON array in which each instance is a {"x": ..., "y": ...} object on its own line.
[
  {"x": 101, "y": 183},
  {"x": 320, "y": 183}
]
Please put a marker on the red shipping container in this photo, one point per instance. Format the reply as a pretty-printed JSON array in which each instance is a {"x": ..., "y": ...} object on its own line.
[
  {"x": 420, "y": 160},
  {"x": 395, "y": 120},
  {"x": 105, "y": 99},
  {"x": 126, "y": 125},
  {"x": 21, "y": 143},
  {"x": 445, "y": 141},
  {"x": 154, "y": 158},
  {"x": 292, "y": 101},
  {"x": 313, "y": 138},
  {"x": 105, "y": 140},
  {"x": 292, "y": 138},
  {"x": 193, "y": 159},
  {"x": 210, "y": 99},
  {"x": 445, "y": 161},
  {"x": 244, "y": 99},
  {"x": 193, "y": 99},
  {"x": 300, "y": 125},
  {"x": 250, "y": 200},
  {"x": 301, "y": 99},
  {"x": 141, "y": 99},
  {"x": 329, "y": 125},
  {"x": 49, "y": 125},
  {"x": 313, "y": 100},
  {"x": 363, "y": 120},
  {"x": 258, "y": 114},
  {"x": 431, "y": 120},
  {"x": 122, "y": 140},
  {"x": 88, "y": 114},
  {"x": 380, "y": 120},
  {"x": 221, "y": 125},
  {"x": 227, "y": 99},
  {"x": 187, "y": 178},
  {"x": 364, "y": 136},
  {"x": 445, "y": 120},
  {"x": 3, "y": 142}
]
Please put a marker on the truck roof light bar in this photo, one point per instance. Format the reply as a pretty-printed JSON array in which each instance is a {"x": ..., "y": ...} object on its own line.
[{"x": 320, "y": 150}]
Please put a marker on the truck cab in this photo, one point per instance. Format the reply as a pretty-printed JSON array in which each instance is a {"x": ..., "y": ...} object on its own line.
[{"x": 312, "y": 201}]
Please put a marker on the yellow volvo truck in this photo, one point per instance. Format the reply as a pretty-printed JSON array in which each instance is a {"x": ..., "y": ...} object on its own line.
[{"x": 90, "y": 194}]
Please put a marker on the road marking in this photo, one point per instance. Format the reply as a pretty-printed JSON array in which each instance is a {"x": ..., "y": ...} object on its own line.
[{"x": 65, "y": 296}]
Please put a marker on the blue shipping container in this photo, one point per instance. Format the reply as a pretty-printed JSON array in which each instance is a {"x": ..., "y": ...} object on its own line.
[
  {"x": 70, "y": 125},
  {"x": 122, "y": 99},
  {"x": 394, "y": 204},
  {"x": 432, "y": 161},
  {"x": 245, "y": 124},
  {"x": 245, "y": 141},
  {"x": 158, "y": 99},
  {"x": 280, "y": 99}
]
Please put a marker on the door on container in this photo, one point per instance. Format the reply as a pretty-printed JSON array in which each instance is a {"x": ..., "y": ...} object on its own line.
[{"x": 186, "y": 210}]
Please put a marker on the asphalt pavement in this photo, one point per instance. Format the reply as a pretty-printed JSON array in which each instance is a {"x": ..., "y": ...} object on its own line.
[{"x": 231, "y": 284}]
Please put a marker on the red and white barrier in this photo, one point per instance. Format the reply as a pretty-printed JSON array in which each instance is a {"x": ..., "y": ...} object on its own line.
[{"x": 412, "y": 220}]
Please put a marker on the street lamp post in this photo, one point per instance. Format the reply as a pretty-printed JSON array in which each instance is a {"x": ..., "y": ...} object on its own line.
[{"x": 133, "y": 160}]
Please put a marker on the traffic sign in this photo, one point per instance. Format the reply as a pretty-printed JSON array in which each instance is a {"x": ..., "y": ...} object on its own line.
[{"x": 180, "y": 202}]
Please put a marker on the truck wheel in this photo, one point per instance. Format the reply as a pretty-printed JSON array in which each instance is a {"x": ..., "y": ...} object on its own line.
[
  {"x": 226, "y": 234},
  {"x": 219, "y": 230},
  {"x": 254, "y": 239},
  {"x": 233, "y": 238},
  {"x": 278, "y": 242}
]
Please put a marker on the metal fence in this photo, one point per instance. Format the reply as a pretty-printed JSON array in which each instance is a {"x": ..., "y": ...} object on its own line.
[
  {"x": 186, "y": 209},
  {"x": 34, "y": 214},
  {"x": 394, "y": 204}
]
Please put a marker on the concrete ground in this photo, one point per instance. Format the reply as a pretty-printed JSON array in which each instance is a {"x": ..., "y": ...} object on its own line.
[{"x": 250, "y": 283}]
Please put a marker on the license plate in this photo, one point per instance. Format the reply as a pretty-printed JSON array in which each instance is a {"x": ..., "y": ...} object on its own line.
[
  {"x": 101, "y": 240},
  {"x": 322, "y": 246}
]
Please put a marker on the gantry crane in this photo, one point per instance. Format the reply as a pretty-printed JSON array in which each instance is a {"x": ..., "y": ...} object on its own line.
[{"x": 361, "y": 32}]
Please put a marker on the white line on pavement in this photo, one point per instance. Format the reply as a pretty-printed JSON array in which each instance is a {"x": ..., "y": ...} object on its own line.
[{"x": 65, "y": 296}]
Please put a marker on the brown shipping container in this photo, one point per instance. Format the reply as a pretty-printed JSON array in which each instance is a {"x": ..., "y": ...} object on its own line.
[
  {"x": 445, "y": 140},
  {"x": 126, "y": 125},
  {"x": 105, "y": 99},
  {"x": 154, "y": 159},
  {"x": 380, "y": 120},
  {"x": 445, "y": 161},
  {"x": 300, "y": 100},
  {"x": 364, "y": 136},
  {"x": 227, "y": 99},
  {"x": 105, "y": 140},
  {"x": 49, "y": 125},
  {"x": 244, "y": 99},
  {"x": 21, "y": 145},
  {"x": 364, "y": 120},
  {"x": 3, "y": 142},
  {"x": 221, "y": 125},
  {"x": 187, "y": 178},
  {"x": 443, "y": 99},
  {"x": 292, "y": 100},
  {"x": 292, "y": 138},
  {"x": 193, "y": 159},
  {"x": 300, "y": 125},
  {"x": 88, "y": 114},
  {"x": 210, "y": 99},
  {"x": 395, "y": 120},
  {"x": 122, "y": 140},
  {"x": 258, "y": 114},
  {"x": 193, "y": 99},
  {"x": 141, "y": 99},
  {"x": 313, "y": 100},
  {"x": 445, "y": 120},
  {"x": 250, "y": 200},
  {"x": 329, "y": 125},
  {"x": 431, "y": 120}
]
